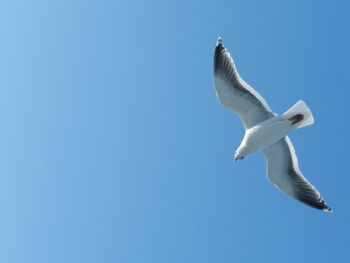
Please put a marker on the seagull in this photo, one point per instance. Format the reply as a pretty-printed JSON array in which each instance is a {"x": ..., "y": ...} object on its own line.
[{"x": 266, "y": 130}]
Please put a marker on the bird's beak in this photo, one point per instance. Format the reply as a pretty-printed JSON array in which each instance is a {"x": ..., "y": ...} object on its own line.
[{"x": 236, "y": 158}]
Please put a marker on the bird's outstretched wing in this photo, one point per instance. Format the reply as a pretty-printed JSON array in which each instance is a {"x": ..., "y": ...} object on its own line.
[
  {"x": 234, "y": 93},
  {"x": 283, "y": 171}
]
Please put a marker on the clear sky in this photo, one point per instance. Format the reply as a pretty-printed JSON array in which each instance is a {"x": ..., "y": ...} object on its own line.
[{"x": 113, "y": 147}]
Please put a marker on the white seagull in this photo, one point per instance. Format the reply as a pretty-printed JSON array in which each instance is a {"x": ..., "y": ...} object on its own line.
[{"x": 266, "y": 130}]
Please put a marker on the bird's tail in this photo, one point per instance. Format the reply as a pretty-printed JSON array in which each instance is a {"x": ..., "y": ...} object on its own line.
[{"x": 300, "y": 115}]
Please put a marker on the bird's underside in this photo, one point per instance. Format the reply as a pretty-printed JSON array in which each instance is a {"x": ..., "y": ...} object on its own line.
[{"x": 282, "y": 163}]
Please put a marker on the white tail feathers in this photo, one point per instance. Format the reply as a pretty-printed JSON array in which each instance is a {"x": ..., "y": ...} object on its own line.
[{"x": 299, "y": 108}]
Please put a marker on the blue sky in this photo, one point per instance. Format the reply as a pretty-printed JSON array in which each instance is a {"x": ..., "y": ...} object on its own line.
[{"x": 115, "y": 149}]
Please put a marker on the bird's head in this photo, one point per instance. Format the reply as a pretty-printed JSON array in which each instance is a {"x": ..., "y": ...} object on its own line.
[
  {"x": 238, "y": 156},
  {"x": 242, "y": 151}
]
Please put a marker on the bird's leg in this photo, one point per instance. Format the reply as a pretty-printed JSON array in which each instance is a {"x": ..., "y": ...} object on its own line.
[{"x": 296, "y": 118}]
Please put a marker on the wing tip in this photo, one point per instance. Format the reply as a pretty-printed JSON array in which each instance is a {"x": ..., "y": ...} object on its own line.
[
  {"x": 219, "y": 41},
  {"x": 328, "y": 209},
  {"x": 325, "y": 207},
  {"x": 218, "y": 56}
]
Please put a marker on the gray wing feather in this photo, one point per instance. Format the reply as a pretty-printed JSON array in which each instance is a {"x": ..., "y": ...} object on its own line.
[
  {"x": 234, "y": 93},
  {"x": 283, "y": 171}
]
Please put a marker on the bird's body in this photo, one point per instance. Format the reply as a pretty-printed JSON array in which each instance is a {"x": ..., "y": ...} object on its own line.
[
  {"x": 275, "y": 128},
  {"x": 265, "y": 130},
  {"x": 264, "y": 134}
]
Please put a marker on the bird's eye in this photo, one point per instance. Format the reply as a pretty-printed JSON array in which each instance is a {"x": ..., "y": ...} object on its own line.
[{"x": 242, "y": 157}]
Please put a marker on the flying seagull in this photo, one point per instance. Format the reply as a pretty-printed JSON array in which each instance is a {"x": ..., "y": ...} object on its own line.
[{"x": 266, "y": 130}]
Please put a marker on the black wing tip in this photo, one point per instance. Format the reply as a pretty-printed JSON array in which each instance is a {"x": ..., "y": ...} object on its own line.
[
  {"x": 327, "y": 209},
  {"x": 321, "y": 205},
  {"x": 309, "y": 198},
  {"x": 219, "y": 50}
]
